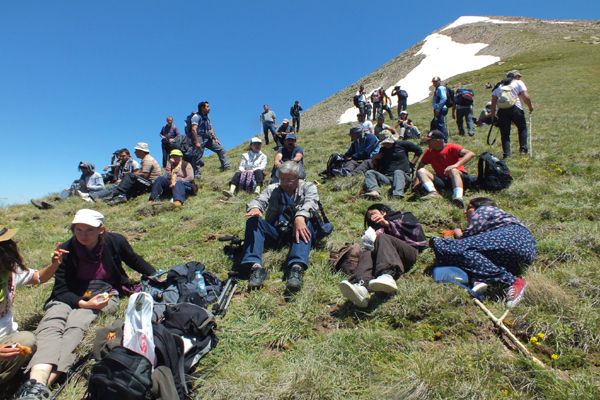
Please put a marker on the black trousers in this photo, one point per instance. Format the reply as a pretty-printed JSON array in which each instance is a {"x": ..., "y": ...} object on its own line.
[{"x": 505, "y": 119}]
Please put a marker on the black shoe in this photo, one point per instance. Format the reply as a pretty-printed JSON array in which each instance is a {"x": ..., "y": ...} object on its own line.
[
  {"x": 257, "y": 277},
  {"x": 458, "y": 202},
  {"x": 294, "y": 281},
  {"x": 225, "y": 167},
  {"x": 42, "y": 205},
  {"x": 117, "y": 200},
  {"x": 33, "y": 390}
]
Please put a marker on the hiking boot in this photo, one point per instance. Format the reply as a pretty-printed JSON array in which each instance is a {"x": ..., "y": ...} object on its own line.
[
  {"x": 431, "y": 195},
  {"x": 384, "y": 283},
  {"x": 355, "y": 293},
  {"x": 294, "y": 281},
  {"x": 227, "y": 193},
  {"x": 225, "y": 167},
  {"x": 42, "y": 205},
  {"x": 458, "y": 202},
  {"x": 257, "y": 277},
  {"x": 33, "y": 390},
  {"x": 515, "y": 292},
  {"x": 373, "y": 194},
  {"x": 117, "y": 200},
  {"x": 471, "y": 133}
]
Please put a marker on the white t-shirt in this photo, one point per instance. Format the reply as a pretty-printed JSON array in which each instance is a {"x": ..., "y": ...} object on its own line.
[
  {"x": 517, "y": 87},
  {"x": 7, "y": 323}
]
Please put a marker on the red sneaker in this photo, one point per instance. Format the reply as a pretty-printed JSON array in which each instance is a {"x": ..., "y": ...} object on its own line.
[{"x": 515, "y": 293}]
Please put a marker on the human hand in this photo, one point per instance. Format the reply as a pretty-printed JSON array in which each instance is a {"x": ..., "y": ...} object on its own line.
[
  {"x": 57, "y": 255},
  {"x": 98, "y": 302},
  {"x": 458, "y": 233},
  {"x": 301, "y": 231},
  {"x": 8, "y": 351},
  {"x": 380, "y": 220},
  {"x": 197, "y": 145},
  {"x": 448, "y": 169},
  {"x": 253, "y": 212}
]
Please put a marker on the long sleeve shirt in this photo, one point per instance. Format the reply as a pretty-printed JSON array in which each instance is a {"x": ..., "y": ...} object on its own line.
[
  {"x": 272, "y": 201},
  {"x": 363, "y": 148},
  {"x": 185, "y": 173},
  {"x": 439, "y": 98},
  {"x": 252, "y": 161},
  {"x": 94, "y": 182}
]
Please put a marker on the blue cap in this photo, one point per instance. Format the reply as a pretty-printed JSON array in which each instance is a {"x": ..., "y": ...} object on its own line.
[{"x": 290, "y": 136}]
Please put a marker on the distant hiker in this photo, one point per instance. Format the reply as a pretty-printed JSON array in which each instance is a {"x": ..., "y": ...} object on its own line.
[
  {"x": 493, "y": 249},
  {"x": 139, "y": 181},
  {"x": 125, "y": 166},
  {"x": 439, "y": 107},
  {"x": 364, "y": 124},
  {"x": 16, "y": 347},
  {"x": 407, "y": 129},
  {"x": 289, "y": 152},
  {"x": 506, "y": 99},
  {"x": 392, "y": 168},
  {"x": 203, "y": 131},
  {"x": 388, "y": 250},
  {"x": 360, "y": 100},
  {"x": 295, "y": 111},
  {"x": 283, "y": 131},
  {"x": 376, "y": 101},
  {"x": 368, "y": 109},
  {"x": 485, "y": 116},
  {"x": 448, "y": 161},
  {"x": 90, "y": 181},
  {"x": 167, "y": 134},
  {"x": 383, "y": 130},
  {"x": 251, "y": 173},
  {"x": 402, "y": 98},
  {"x": 463, "y": 110},
  {"x": 88, "y": 281},
  {"x": 287, "y": 207},
  {"x": 268, "y": 120},
  {"x": 386, "y": 103},
  {"x": 363, "y": 145},
  {"x": 176, "y": 181}
]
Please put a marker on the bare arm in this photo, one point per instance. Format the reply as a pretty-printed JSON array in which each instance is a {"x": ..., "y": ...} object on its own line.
[{"x": 527, "y": 100}]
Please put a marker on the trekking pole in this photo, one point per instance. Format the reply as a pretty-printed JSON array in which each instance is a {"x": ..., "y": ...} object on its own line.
[
  {"x": 529, "y": 137},
  {"x": 220, "y": 307},
  {"x": 498, "y": 322}
]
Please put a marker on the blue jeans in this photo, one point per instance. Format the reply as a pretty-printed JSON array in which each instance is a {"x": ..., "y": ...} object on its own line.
[
  {"x": 209, "y": 143},
  {"x": 465, "y": 113},
  {"x": 439, "y": 123},
  {"x": 259, "y": 233},
  {"x": 161, "y": 188},
  {"x": 269, "y": 126}
]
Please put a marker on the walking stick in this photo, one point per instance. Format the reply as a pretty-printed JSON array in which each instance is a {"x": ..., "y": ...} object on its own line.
[{"x": 530, "y": 137}]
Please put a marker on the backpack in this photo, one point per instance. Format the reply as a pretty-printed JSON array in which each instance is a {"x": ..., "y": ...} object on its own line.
[
  {"x": 355, "y": 101},
  {"x": 403, "y": 93},
  {"x": 464, "y": 97},
  {"x": 180, "y": 287},
  {"x": 335, "y": 165},
  {"x": 492, "y": 173},
  {"x": 449, "y": 97},
  {"x": 188, "y": 123},
  {"x": 506, "y": 99},
  {"x": 182, "y": 143},
  {"x": 320, "y": 222},
  {"x": 121, "y": 374}
]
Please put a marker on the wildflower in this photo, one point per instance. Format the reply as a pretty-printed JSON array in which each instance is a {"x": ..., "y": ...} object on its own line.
[
  {"x": 554, "y": 356},
  {"x": 541, "y": 336},
  {"x": 533, "y": 340},
  {"x": 504, "y": 392}
]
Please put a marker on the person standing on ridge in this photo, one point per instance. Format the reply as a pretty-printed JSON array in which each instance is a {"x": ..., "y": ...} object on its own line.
[
  {"x": 439, "y": 107},
  {"x": 386, "y": 102},
  {"x": 295, "y": 111},
  {"x": 268, "y": 120},
  {"x": 202, "y": 130},
  {"x": 167, "y": 134},
  {"x": 402, "y": 98}
]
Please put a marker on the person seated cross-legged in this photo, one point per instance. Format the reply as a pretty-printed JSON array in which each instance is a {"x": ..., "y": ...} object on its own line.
[
  {"x": 177, "y": 180},
  {"x": 287, "y": 207},
  {"x": 251, "y": 172}
]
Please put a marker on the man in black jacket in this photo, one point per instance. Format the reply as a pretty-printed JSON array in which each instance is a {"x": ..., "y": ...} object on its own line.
[
  {"x": 295, "y": 113},
  {"x": 392, "y": 167}
]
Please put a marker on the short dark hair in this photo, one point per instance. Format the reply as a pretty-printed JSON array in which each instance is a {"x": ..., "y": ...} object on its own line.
[
  {"x": 377, "y": 206},
  {"x": 125, "y": 150},
  {"x": 482, "y": 202},
  {"x": 202, "y": 104}
]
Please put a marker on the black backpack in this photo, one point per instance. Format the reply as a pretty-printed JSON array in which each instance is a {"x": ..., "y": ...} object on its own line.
[
  {"x": 121, "y": 374},
  {"x": 492, "y": 173},
  {"x": 335, "y": 165},
  {"x": 356, "y": 100},
  {"x": 403, "y": 93},
  {"x": 449, "y": 97},
  {"x": 464, "y": 97}
]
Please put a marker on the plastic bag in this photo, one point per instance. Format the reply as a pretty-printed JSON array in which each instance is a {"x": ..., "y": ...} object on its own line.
[
  {"x": 137, "y": 330},
  {"x": 367, "y": 241}
]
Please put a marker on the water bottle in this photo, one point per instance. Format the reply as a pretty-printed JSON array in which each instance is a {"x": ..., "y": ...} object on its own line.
[{"x": 200, "y": 284}]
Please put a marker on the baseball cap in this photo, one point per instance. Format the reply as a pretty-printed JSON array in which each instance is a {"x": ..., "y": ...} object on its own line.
[
  {"x": 290, "y": 136},
  {"x": 355, "y": 131},
  {"x": 436, "y": 79},
  {"x": 403, "y": 112},
  {"x": 255, "y": 139},
  {"x": 513, "y": 73},
  {"x": 176, "y": 152},
  {"x": 88, "y": 217},
  {"x": 285, "y": 121},
  {"x": 435, "y": 134},
  {"x": 6, "y": 234},
  {"x": 142, "y": 147}
]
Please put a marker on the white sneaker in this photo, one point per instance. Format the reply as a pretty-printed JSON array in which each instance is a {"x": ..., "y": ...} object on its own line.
[
  {"x": 85, "y": 196},
  {"x": 356, "y": 293},
  {"x": 383, "y": 283},
  {"x": 479, "y": 287}
]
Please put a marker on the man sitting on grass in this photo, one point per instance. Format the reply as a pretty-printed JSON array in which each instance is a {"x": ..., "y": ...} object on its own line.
[
  {"x": 287, "y": 207},
  {"x": 448, "y": 162}
]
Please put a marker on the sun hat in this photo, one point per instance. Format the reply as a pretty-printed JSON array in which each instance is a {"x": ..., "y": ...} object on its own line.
[
  {"x": 388, "y": 139},
  {"x": 6, "y": 234},
  {"x": 255, "y": 139},
  {"x": 403, "y": 112},
  {"x": 176, "y": 152},
  {"x": 285, "y": 121},
  {"x": 513, "y": 73},
  {"x": 88, "y": 217},
  {"x": 435, "y": 134},
  {"x": 142, "y": 147}
]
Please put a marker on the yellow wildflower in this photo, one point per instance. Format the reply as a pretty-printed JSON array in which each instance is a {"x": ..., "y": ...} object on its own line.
[
  {"x": 554, "y": 356},
  {"x": 541, "y": 336},
  {"x": 533, "y": 340}
]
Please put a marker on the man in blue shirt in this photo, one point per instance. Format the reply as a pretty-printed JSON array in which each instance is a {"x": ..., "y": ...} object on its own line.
[
  {"x": 363, "y": 146},
  {"x": 289, "y": 152},
  {"x": 203, "y": 137},
  {"x": 439, "y": 107}
]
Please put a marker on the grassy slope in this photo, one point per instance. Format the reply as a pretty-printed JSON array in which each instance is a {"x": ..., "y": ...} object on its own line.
[{"x": 429, "y": 341}]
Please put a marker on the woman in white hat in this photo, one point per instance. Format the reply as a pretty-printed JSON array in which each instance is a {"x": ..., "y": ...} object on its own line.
[
  {"x": 251, "y": 172},
  {"x": 16, "y": 347},
  {"x": 88, "y": 281}
]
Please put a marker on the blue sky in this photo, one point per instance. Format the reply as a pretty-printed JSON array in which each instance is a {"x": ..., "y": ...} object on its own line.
[{"x": 79, "y": 79}]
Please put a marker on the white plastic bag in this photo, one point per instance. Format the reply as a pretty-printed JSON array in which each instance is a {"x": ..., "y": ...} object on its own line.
[
  {"x": 367, "y": 241},
  {"x": 137, "y": 331}
]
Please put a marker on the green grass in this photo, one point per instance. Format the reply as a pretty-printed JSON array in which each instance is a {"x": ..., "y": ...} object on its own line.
[{"x": 428, "y": 341}]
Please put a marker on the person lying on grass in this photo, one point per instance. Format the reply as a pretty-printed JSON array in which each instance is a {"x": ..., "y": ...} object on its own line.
[
  {"x": 493, "y": 249},
  {"x": 16, "y": 346},
  {"x": 389, "y": 248},
  {"x": 88, "y": 281}
]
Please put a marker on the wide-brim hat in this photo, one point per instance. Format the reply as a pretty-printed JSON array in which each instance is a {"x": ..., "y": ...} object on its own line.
[
  {"x": 6, "y": 233},
  {"x": 142, "y": 147}
]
